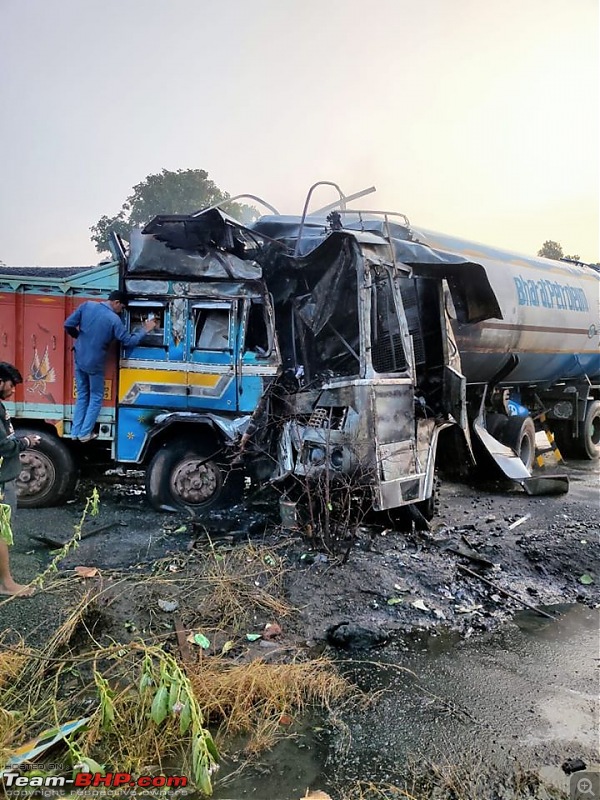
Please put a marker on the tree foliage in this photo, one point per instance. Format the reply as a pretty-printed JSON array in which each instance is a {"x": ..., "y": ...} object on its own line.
[
  {"x": 552, "y": 249},
  {"x": 182, "y": 191}
]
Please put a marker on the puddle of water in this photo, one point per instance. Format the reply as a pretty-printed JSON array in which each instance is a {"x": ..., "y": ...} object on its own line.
[
  {"x": 526, "y": 694},
  {"x": 286, "y": 771}
]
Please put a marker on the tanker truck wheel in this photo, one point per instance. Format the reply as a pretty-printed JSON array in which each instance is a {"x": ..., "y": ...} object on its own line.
[
  {"x": 588, "y": 442},
  {"x": 188, "y": 477},
  {"x": 519, "y": 433},
  {"x": 48, "y": 474}
]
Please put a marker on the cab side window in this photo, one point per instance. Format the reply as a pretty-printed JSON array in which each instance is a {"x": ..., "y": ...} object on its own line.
[
  {"x": 212, "y": 327},
  {"x": 141, "y": 311},
  {"x": 257, "y": 337}
]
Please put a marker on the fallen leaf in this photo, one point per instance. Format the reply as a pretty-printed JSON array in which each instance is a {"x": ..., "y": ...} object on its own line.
[
  {"x": 168, "y": 605},
  {"x": 467, "y": 609},
  {"x": 393, "y": 601},
  {"x": 586, "y": 579},
  {"x": 252, "y": 637},
  {"x": 199, "y": 639},
  {"x": 318, "y": 795},
  {"x": 180, "y": 529},
  {"x": 285, "y": 719},
  {"x": 227, "y": 646},
  {"x": 86, "y": 572},
  {"x": 419, "y": 605},
  {"x": 271, "y": 631}
]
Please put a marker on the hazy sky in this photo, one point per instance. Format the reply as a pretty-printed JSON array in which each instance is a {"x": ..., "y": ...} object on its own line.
[{"x": 478, "y": 118}]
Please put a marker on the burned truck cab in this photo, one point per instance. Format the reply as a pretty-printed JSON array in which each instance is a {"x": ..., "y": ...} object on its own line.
[{"x": 371, "y": 347}]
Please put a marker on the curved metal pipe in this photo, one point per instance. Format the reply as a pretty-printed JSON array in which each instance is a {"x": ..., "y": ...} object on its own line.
[
  {"x": 237, "y": 197},
  {"x": 307, "y": 201}
]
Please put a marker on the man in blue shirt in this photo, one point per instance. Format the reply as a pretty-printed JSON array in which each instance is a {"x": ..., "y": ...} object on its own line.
[{"x": 94, "y": 326}]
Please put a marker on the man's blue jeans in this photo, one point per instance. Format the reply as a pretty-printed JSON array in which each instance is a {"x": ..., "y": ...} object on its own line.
[{"x": 90, "y": 393}]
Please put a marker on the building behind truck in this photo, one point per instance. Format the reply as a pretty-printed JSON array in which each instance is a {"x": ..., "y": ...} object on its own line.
[{"x": 336, "y": 347}]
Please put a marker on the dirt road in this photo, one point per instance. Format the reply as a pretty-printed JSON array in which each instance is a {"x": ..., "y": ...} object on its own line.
[{"x": 542, "y": 550}]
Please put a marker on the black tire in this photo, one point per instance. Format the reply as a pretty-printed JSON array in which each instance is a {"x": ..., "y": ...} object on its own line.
[
  {"x": 48, "y": 474},
  {"x": 429, "y": 508},
  {"x": 188, "y": 477},
  {"x": 495, "y": 424},
  {"x": 564, "y": 439},
  {"x": 519, "y": 433},
  {"x": 588, "y": 441}
]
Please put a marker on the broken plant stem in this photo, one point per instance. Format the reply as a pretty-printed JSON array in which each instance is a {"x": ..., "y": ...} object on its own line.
[
  {"x": 505, "y": 592},
  {"x": 90, "y": 509}
]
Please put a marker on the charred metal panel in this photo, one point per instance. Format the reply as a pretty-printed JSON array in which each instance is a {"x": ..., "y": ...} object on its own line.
[
  {"x": 393, "y": 410},
  {"x": 212, "y": 289},
  {"x": 149, "y": 256}
]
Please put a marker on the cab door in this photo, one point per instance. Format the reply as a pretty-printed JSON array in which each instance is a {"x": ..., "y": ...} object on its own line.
[{"x": 213, "y": 358}]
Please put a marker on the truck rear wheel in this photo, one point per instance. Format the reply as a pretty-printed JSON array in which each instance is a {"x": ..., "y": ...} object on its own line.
[
  {"x": 183, "y": 476},
  {"x": 48, "y": 474},
  {"x": 519, "y": 433},
  {"x": 587, "y": 443}
]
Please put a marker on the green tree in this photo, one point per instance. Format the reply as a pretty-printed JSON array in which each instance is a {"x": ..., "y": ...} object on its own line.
[
  {"x": 551, "y": 249},
  {"x": 180, "y": 192}
]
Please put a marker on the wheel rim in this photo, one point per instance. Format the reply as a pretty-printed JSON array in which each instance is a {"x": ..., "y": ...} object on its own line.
[
  {"x": 37, "y": 474},
  {"x": 526, "y": 451},
  {"x": 195, "y": 480}
]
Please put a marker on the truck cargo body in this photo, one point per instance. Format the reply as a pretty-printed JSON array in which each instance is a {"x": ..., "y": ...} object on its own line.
[{"x": 172, "y": 403}]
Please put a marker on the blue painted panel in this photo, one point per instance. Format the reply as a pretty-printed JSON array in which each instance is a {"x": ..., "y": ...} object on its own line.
[
  {"x": 532, "y": 367},
  {"x": 168, "y": 401},
  {"x": 251, "y": 390},
  {"x": 132, "y": 430}
]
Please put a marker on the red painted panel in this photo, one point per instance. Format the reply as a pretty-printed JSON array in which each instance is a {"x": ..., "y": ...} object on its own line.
[
  {"x": 43, "y": 349},
  {"x": 8, "y": 327}
]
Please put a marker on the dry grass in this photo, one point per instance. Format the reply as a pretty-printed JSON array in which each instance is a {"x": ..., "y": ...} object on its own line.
[
  {"x": 220, "y": 590},
  {"x": 12, "y": 662},
  {"x": 258, "y": 699},
  {"x": 239, "y": 584}
]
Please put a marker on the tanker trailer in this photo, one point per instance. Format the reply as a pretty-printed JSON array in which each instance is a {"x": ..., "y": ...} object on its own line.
[{"x": 542, "y": 356}]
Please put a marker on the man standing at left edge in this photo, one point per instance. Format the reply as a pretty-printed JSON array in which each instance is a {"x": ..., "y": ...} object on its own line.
[
  {"x": 10, "y": 449},
  {"x": 94, "y": 326}
]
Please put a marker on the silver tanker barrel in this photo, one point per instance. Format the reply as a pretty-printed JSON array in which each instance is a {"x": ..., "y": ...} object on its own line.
[{"x": 550, "y": 317}]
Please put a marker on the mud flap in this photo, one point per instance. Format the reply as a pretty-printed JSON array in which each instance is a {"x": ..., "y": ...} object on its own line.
[
  {"x": 504, "y": 457},
  {"x": 512, "y": 466},
  {"x": 551, "y": 484}
]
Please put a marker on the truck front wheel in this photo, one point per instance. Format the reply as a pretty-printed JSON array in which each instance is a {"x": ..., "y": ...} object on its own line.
[
  {"x": 182, "y": 476},
  {"x": 48, "y": 474}
]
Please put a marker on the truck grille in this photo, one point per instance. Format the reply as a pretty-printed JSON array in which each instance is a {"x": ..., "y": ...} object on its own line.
[{"x": 331, "y": 418}]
